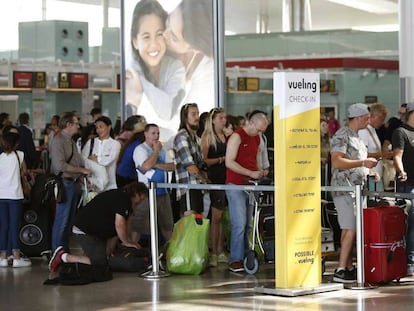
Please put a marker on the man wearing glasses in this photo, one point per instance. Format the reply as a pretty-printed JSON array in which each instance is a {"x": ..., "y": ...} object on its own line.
[
  {"x": 242, "y": 164},
  {"x": 67, "y": 162}
]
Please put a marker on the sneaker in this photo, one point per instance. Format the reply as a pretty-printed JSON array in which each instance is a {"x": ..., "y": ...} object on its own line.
[
  {"x": 4, "y": 262},
  {"x": 212, "y": 261},
  {"x": 21, "y": 263},
  {"x": 223, "y": 258},
  {"x": 236, "y": 266},
  {"x": 353, "y": 272},
  {"x": 344, "y": 276},
  {"x": 410, "y": 269},
  {"x": 56, "y": 259}
]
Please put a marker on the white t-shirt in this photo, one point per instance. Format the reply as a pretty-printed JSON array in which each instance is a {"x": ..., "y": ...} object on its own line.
[
  {"x": 370, "y": 138},
  {"x": 10, "y": 183}
]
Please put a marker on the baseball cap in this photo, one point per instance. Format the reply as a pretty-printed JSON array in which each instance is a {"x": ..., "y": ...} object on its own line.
[
  {"x": 357, "y": 110},
  {"x": 410, "y": 107}
]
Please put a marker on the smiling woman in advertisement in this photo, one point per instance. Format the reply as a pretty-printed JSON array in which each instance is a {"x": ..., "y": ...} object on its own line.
[
  {"x": 168, "y": 59},
  {"x": 154, "y": 82}
]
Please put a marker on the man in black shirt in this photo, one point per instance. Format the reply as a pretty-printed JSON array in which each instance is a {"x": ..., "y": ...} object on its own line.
[
  {"x": 403, "y": 151},
  {"x": 106, "y": 216}
]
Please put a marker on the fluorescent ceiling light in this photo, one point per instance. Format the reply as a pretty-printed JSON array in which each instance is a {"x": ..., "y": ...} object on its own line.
[
  {"x": 371, "y": 6},
  {"x": 378, "y": 28}
]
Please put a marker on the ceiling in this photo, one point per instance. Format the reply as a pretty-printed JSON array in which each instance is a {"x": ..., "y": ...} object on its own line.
[{"x": 241, "y": 16}]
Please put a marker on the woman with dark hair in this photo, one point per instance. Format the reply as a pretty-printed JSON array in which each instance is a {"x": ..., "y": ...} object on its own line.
[
  {"x": 155, "y": 83},
  {"x": 104, "y": 150},
  {"x": 11, "y": 195},
  {"x": 189, "y": 37}
]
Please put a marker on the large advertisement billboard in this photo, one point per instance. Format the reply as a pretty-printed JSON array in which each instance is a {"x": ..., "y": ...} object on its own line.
[{"x": 168, "y": 59}]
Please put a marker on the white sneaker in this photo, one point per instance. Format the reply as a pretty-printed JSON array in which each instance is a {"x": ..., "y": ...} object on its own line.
[
  {"x": 21, "y": 263},
  {"x": 4, "y": 262}
]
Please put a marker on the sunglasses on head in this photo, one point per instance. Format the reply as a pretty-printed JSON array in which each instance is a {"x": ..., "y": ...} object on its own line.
[{"x": 215, "y": 111}]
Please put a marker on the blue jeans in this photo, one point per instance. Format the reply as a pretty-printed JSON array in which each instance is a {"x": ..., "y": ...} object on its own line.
[
  {"x": 407, "y": 188},
  {"x": 65, "y": 213},
  {"x": 10, "y": 216},
  {"x": 241, "y": 213}
]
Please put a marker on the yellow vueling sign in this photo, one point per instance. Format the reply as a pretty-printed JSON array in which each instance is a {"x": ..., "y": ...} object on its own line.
[{"x": 297, "y": 179}]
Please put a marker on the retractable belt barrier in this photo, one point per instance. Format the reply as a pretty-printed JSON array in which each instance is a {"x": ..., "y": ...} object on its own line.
[{"x": 359, "y": 193}]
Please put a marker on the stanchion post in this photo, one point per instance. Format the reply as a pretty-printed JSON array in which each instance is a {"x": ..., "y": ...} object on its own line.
[
  {"x": 155, "y": 272},
  {"x": 359, "y": 235},
  {"x": 360, "y": 240}
]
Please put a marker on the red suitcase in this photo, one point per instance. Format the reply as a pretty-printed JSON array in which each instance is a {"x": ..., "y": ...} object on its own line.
[{"x": 384, "y": 244}]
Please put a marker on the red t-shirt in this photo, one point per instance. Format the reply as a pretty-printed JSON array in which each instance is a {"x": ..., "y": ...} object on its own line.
[{"x": 246, "y": 157}]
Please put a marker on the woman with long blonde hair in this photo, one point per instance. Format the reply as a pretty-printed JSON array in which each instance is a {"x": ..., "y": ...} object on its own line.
[{"x": 213, "y": 144}]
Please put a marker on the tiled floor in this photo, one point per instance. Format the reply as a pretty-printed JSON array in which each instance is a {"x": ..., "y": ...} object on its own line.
[{"x": 216, "y": 289}]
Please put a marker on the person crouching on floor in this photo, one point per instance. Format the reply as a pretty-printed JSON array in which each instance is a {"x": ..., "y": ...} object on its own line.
[{"x": 103, "y": 218}]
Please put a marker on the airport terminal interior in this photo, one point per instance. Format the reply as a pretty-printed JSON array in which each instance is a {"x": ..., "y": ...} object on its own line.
[{"x": 353, "y": 45}]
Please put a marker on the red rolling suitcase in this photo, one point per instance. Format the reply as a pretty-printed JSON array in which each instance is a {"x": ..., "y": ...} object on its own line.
[{"x": 384, "y": 244}]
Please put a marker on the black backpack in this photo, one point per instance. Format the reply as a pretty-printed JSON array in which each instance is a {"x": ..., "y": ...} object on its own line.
[
  {"x": 129, "y": 259},
  {"x": 80, "y": 274}
]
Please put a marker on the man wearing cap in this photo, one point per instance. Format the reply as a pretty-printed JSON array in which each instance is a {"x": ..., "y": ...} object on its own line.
[
  {"x": 403, "y": 151},
  {"x": 350, "y": 166}
]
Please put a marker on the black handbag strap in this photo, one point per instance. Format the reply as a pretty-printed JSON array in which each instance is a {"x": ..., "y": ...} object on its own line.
[
  {"x": 91, "y": 146},
  {"x": 68, "y": 160}
]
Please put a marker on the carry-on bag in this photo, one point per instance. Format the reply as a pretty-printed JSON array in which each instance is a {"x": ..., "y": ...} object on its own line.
[
  {"x": 129, "y": 259},
  {"x": 384, "y": 244},
  {"x": 187, "y": 251}
]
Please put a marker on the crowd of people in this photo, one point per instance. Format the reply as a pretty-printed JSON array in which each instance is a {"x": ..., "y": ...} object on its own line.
[
  {"x": 209, "y": 148},
  {"x": 118, "y": 168},
  {"x": 367, "y": 148}
]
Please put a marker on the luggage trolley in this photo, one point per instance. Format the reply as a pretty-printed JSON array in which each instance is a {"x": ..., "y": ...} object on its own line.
[{"x": 251, "y": 262}]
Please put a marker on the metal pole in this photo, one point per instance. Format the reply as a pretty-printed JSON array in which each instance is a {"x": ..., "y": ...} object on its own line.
[
  {"x": 359, "y": 236},
  {"x": 360, "y": 241},
  {"x": 155, "y": 272}
]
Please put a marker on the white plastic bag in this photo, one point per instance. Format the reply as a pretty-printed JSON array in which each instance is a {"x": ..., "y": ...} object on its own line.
[{"x": 99, "y": 177}]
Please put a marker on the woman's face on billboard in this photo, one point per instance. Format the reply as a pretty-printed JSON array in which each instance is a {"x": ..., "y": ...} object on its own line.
[
  {"x": 174, "y": 33},
  {"x": 150, "y": 41}
]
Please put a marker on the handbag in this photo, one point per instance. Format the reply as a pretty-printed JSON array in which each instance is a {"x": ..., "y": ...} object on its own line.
[
  {"x": 54, "y": 189},
  {"x": 187, "y": 251}
]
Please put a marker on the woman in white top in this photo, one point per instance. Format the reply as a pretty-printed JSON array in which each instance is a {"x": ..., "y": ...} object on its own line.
[
  {"x": 104, "y": 150},
  {"x": 11, "y": 196}
]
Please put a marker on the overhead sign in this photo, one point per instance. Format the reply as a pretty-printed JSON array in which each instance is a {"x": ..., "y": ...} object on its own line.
[
  {"x": 73, "y": 80},
  {"x": 29, "y": 79}
]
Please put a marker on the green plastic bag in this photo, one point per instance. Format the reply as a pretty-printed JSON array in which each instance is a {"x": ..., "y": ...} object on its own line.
[{"x": 187, "y": 251}]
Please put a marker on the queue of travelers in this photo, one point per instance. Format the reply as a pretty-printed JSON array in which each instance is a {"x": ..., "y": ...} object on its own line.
[
  {"x": 130, "y": 160},
  {"x": 223, "y": 150}
]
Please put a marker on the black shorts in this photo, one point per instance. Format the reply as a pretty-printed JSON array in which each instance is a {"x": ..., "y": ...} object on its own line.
[
  {"x": 218, "y": 199},
  {"x": 94, "y": 248}
]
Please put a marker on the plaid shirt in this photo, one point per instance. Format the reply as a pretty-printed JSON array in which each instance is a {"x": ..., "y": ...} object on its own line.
[{"x": 187, "y": 151}]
